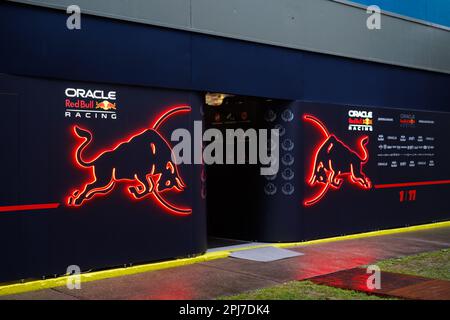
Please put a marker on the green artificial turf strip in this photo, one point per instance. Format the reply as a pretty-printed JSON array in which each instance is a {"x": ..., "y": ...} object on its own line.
[{"x": 435, "y": 264}]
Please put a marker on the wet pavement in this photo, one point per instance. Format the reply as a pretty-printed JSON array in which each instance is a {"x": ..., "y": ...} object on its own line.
[
  {"x": 229, "y": 276},
  {"x": 393, "y": 284}
]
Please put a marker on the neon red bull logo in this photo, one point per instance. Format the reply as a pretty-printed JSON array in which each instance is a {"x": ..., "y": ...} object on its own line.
[
  {"x": 105, "y": 105},
  {"x": 149, "y": 176},
  {"x": 335, "y": 161}
]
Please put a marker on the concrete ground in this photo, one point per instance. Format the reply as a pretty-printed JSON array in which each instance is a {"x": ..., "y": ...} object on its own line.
[{"x": 230, "y": 276}]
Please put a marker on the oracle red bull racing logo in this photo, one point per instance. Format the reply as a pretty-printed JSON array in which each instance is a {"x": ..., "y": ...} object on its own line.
[
  {"x": 90, "y": 104},
  {"x": 335, "y": 161},
  {"x": 150, "y": 176}
]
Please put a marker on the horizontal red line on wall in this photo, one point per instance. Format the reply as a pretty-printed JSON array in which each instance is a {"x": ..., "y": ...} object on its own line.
[
  {"x": 411, "y": 184},
  {"x": 29, "y": 207}
]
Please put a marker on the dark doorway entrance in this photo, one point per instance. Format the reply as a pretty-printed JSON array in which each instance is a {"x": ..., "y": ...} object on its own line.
[{"x": 236, "y": 200}]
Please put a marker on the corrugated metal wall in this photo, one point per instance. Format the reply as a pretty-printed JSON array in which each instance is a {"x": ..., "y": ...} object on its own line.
[
  {"x": 315, "y": 25},
  {"x": 109, "y": 51}
]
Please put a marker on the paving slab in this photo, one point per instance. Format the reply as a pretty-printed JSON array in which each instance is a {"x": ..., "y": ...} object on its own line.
[
  {"x": 266, "y": 254},
  {"x": 48, "y": 294},
  {"x": 437, "y": 236},
  {"x": 386, "y": 246},
  {"x": 189, "y": 282}
]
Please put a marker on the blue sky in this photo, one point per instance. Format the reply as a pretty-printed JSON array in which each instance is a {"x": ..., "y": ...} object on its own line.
[{"x": 436, "y": 11}]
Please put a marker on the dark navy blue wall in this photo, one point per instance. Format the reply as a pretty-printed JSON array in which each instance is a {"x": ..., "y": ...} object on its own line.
[{"x": 35, "y": 42}]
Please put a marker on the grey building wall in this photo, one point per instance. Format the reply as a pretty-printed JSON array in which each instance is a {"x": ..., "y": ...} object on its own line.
[{"x": 332, "y": 27}]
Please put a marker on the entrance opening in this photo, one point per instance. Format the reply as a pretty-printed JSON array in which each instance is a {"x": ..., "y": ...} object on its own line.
[{"x": 236, "y": 198}]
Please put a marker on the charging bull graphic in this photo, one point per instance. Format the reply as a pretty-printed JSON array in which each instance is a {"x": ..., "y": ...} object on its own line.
[
  {"x": 143, "y": 161},
  {"x": 105, "y": 105},
  {"x": 333, "y": 161}
]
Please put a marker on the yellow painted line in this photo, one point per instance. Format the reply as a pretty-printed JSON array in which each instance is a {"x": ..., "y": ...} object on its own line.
[
  {"x": 348, "y": 237},
  {"x": 366, "y": 234},
  {"x": 118, "y": 272}
]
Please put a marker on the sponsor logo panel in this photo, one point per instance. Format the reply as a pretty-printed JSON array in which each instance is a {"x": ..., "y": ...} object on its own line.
[{"x": 90, "y": 104}]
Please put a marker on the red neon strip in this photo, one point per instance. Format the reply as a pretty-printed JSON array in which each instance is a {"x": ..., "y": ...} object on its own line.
[
  {"x": 166, "y": 115},
  {"x": 29, "y": 207},
  {"x": 411, "y": 184}
]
